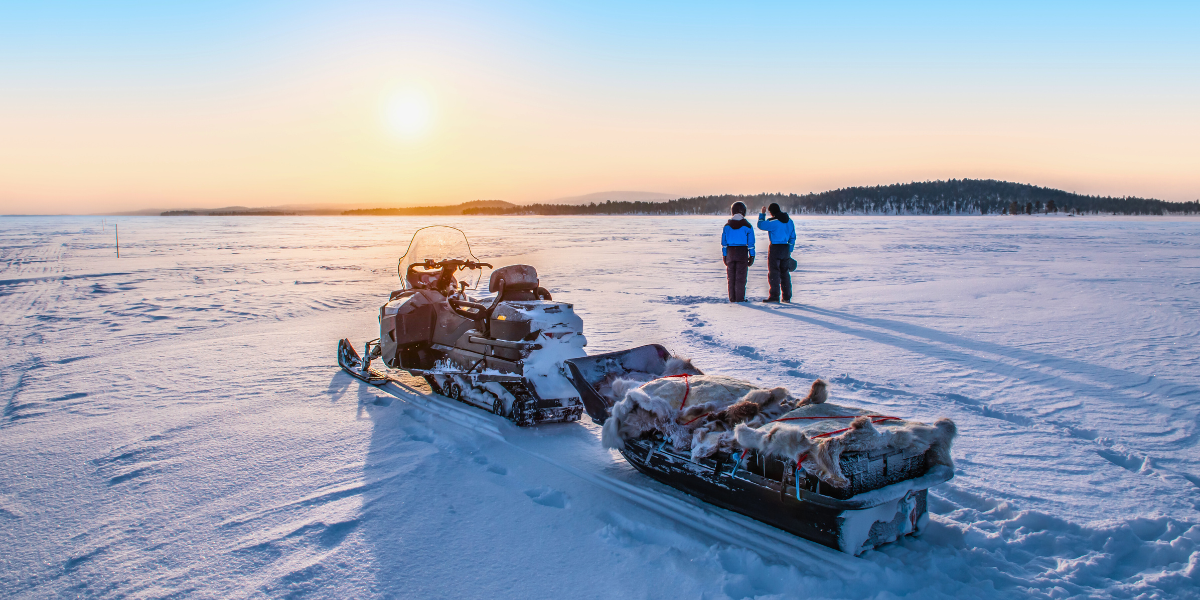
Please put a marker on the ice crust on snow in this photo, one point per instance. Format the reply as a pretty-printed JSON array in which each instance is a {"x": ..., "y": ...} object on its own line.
[{"x": 174, "y": 423}]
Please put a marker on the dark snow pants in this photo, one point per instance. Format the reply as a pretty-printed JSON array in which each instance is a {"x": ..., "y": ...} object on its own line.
[
  {"x": 737, "y": 262},
  {"x": 777, "y": 271}
]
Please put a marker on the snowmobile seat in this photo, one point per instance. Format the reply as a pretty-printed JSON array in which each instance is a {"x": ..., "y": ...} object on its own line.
[{"x": 514, "y": 282}]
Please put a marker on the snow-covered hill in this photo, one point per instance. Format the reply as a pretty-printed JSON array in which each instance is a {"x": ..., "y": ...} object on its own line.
[{"x": 175, "y": 424}]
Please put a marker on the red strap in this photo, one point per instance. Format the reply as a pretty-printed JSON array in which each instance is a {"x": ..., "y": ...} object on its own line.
[
  {"x": 844, "y": 429},
  {"x": 687, "y": 390},
  {"x": 801, "y": 459},
  {"x": 880, "y": 417},
  {"x": 874, "y": 419}
]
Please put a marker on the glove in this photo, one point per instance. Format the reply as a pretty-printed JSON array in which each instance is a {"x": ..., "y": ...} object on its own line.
[{"x": 751, "y": 263}]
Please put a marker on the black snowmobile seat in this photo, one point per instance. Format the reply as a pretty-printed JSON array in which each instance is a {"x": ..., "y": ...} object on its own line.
[{"x": 514, "y": 282}]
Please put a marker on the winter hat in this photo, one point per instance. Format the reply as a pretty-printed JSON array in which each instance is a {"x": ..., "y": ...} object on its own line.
[
  {"x": 738, "y": 208},
  {"x": 774, "y": 210}
]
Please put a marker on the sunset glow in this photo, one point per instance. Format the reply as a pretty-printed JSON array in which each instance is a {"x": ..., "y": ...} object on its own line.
[
  {"x": 409, "y": 115},
  {"x": 217, "y": 104}
]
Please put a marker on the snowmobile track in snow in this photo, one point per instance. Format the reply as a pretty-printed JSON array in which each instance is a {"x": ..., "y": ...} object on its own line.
[{"x": 726, "y": 527}]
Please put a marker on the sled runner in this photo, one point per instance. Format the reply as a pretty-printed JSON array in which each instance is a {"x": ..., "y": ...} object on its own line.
[{"x": 880, "y": 493}]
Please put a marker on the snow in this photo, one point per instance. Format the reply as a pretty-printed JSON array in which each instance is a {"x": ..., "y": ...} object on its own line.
[
  {"x": 175, "y": 423},
  {"x": 560, "y": 340},
  {"x": 857, "y": 523}
]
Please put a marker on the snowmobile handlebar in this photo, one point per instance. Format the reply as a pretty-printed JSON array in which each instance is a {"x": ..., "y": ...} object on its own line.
[{"x": 454, "y": 263}]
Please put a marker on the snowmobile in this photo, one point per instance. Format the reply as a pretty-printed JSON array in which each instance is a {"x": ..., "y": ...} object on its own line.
[
  {"x": 502, "y": 353},
  {"x": 886, "y": 497}
]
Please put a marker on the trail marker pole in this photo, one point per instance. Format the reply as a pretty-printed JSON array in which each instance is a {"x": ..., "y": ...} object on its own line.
[{"x": 117, "y": 236}]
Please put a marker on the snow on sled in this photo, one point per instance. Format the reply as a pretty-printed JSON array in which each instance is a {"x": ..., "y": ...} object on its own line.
[
  {"x": 837, "y": 475},
  {"x": 503, "y": 354}
]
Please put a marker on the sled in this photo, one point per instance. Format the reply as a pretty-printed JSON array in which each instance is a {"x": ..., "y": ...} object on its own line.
[{"x": 887, "y": 495}]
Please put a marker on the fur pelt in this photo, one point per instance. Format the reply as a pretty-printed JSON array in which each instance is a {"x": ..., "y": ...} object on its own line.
[
  {"x": 817, "y": 394},
  {"x": 614, "y": 386},
  {"x": 792, "y": 439},
  {"x": 714, "y": 406},
  {"x": 723, "y": 413}
]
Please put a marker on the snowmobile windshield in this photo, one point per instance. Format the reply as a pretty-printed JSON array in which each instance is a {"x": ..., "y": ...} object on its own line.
[{"x": 436, "y": 244}]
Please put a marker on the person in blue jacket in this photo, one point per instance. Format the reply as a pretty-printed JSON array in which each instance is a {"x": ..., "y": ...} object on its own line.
[
  {"x": 737, "y": 250},
  {"x": 781, "y": 229}
]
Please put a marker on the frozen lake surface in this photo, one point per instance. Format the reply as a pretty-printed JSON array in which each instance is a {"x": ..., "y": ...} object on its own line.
[{"x": 175, "y": 423}]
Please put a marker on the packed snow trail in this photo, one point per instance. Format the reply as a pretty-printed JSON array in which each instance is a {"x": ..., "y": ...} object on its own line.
[{"x": 175, "y": 424}]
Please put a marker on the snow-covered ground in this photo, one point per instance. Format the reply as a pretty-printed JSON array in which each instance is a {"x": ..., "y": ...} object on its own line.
[{"x": 175, "y": 423}]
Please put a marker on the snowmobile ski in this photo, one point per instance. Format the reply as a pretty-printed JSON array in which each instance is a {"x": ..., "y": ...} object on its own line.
[{"x": 352, "y": 363}]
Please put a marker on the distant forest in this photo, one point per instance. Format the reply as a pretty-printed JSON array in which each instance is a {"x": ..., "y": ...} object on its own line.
[
  {"x": 466, "y": 208},
  {"x": 953, "y": 197},
  {"x": 228, "y": 213}
]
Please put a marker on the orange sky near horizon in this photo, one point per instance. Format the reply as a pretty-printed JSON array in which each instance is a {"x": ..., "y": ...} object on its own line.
[{"x": 424, "y": 107}]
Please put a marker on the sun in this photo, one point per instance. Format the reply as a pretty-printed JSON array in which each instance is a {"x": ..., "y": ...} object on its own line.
[{"x": 409, "y": 114}]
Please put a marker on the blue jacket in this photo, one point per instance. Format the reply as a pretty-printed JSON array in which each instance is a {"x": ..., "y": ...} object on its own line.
[
  {"x": 737, "y": 236},
  {"x": 778, "y": 231}
]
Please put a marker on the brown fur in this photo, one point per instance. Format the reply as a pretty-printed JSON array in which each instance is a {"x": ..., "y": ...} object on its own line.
[
  {"x": 739, "y": 412},
  {"x": 817, "y": 394}
]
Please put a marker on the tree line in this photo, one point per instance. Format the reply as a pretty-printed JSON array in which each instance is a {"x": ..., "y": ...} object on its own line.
[
  {"x": 465, "y": 208},
  {"x": 227, "y": 213},
  {"x": 952, "y": 197}
]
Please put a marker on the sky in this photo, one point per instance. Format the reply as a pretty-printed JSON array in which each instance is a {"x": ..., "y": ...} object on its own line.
[{"x": 126, "y": 105}]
